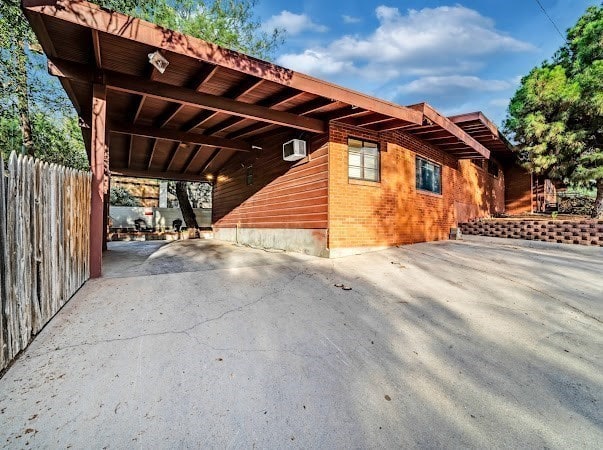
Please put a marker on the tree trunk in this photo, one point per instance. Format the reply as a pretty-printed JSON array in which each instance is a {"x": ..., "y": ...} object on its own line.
[
  {"x": 185, "y": 206},
  {"x": 598, "y": 210},
  {"x": 23, "y": 99}
]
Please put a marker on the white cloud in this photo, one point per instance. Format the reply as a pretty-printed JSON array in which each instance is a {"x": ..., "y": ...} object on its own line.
[
  {"x": 442, "y": 85},
  {"x": 431, "y": 41},
  {"x": 316, "y": 63},
  {"x": 351, "y": 19},
  {"x": 293, "y": 23}
]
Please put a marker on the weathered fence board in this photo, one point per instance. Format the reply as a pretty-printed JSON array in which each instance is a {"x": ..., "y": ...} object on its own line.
[
  {"x": 44, "y": 246},
  {"x": 3, "y": 346}
]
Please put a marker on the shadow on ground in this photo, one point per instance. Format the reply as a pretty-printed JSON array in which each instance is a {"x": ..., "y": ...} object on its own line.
[
  {"x": 123, "y": 259},
  {"x": 449, "y": 344}
]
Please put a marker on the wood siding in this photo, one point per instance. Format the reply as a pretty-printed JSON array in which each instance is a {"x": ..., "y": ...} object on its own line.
[
  {"x": 282, "y": 195},
  {"x": 518, "y": 191}
]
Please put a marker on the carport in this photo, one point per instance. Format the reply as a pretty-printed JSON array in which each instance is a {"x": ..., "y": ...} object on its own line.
[
  {"x": 185, "y": 123},
  {"x": 187, "y": 120}
]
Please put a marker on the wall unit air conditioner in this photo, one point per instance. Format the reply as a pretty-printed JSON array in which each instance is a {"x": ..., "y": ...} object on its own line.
[{"x": 294, "y": 150}]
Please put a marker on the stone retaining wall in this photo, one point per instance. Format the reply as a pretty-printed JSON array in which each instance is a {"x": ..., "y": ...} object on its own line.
[{"x": 584, "y": 232}]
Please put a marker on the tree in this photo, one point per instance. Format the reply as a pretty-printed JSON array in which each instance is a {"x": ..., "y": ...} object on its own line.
[
  {"x": 556, "y": 115},
  {"x": 15, "y": 34},
  {"x": 28, "y": 93},
  {"x": 120, "y": 196}
]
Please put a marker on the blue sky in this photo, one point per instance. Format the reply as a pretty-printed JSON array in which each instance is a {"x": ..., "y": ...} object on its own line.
[{"x": 458, "y": 56}]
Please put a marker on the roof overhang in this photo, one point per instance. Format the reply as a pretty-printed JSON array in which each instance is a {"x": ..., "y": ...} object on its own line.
[
  {"x": 210, "y": 103},
  {"x": 478, "y": 126}
]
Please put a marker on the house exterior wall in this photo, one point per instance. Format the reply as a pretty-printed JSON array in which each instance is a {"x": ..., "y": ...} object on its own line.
[
  {"x": 519, "y": 198},
  {"x": 367, "y": 214},
  {"x": 284, "y": 207},
  {"x": 313, "y": 207}
]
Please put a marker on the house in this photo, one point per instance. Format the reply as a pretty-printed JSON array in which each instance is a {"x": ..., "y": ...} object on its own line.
[{"x": 159, "y": 104}]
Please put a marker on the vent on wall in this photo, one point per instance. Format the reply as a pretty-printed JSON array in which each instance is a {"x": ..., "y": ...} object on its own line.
[{"x": 294, "y": 150}]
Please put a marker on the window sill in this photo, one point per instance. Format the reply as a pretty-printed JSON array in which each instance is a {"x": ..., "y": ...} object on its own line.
[
  {"x": 431, "y": 194},
  {"x": 364, "y": 182}
]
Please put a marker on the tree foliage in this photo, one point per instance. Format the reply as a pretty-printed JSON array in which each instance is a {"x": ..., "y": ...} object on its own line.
[
  {"x": 35, "y": 113},
  {"x": 556, "y": 115},
  {"x": 120, "y": 196}
]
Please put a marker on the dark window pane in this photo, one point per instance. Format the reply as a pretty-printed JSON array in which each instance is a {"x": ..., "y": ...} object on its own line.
[{"x": 429, "y": 176}]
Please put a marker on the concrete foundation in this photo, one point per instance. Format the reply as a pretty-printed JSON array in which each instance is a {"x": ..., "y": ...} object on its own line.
[{"x": 307, "y": 241}]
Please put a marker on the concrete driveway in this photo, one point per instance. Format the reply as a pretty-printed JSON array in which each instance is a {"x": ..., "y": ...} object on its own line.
[{"x": 479, "y": 344}]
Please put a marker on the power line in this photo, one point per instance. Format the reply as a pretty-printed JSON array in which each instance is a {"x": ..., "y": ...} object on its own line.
[{"x": 551, "y": 20}]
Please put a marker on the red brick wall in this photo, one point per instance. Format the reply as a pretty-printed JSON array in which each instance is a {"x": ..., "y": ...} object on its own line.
[
  {"x": 393, "y": 211},
  {"x": 283, "y": 194},
  {"x": 518, "y": 194}
]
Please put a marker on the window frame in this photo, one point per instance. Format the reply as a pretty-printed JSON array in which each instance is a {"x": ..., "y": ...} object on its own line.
[
  {"x": 478, "y": 162},
  {"x": 435, "y": 164},
  {"x": 491, "y": 162},
  {"x": 362, "y": 166}
]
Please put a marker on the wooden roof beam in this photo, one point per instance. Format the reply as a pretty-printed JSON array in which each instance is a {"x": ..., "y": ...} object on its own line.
[
  {"x": 130, "y": 150},
  {"x": 137, "y": 85},
  {"x": 443, "y": 122},
  {"x": 204, "y": 75},
  {"x": 271, "y": 101},
  {"x": 172, "y": 157},
  {"x": 153, "y": 149},
  {"x": 235, "y": 93},
  {"x": 88, "y": 15},
  {"x": 311, "y": 106},
  {"x": 191, "y": 158},
  {"x": 45, "y": 41},
  {"x": 180, "y": 136},
  {"x": 441, "y": 140},
  {"x": 247, "y": 130},
  {"x": 344, "y": 113},
  {"x": 472, "y": 117},
  {"x": 161, "y": 175},
  {"x": 97, "y": 48},
  {"x": 209, "y": 161},
  {"x": 365, "y": 120},
  {"x": 390, "y": 125}
]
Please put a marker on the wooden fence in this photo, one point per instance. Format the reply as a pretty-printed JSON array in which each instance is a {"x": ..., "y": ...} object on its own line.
[{"x": 44, "y": 246}]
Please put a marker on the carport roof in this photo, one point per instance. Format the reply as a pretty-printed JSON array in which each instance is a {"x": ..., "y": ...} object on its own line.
[{"x": 210, "y": 103}]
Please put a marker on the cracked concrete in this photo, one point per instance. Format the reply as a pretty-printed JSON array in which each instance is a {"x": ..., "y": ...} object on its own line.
[{"x": 478, "y": 343}]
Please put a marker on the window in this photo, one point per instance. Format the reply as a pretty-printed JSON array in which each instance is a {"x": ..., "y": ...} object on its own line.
[
  {"x": 492, "y": 168},
  {"x": 429, "y": 176},
  {"x": 363, "y": 160},
  {"x": 478, "y": 162}
]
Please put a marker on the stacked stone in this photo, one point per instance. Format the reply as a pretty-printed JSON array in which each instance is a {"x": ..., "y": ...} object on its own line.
[{"x": 584, "y": 232}]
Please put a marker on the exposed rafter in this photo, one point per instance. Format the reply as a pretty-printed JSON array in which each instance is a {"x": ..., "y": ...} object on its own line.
[
  {"x": 191, "y": 158},
  {"x": 138, "y": 85},
  {"x": 89, "y": 15},
  {"x": 161, "y": 175},
  {"x": 204, "y": 75},
  {"x": 209, "y": 161},
  {"x": 180, "y": 136}
]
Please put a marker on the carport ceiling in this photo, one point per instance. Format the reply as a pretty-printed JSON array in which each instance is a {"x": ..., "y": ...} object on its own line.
[{"x": 209, "y": 104}]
